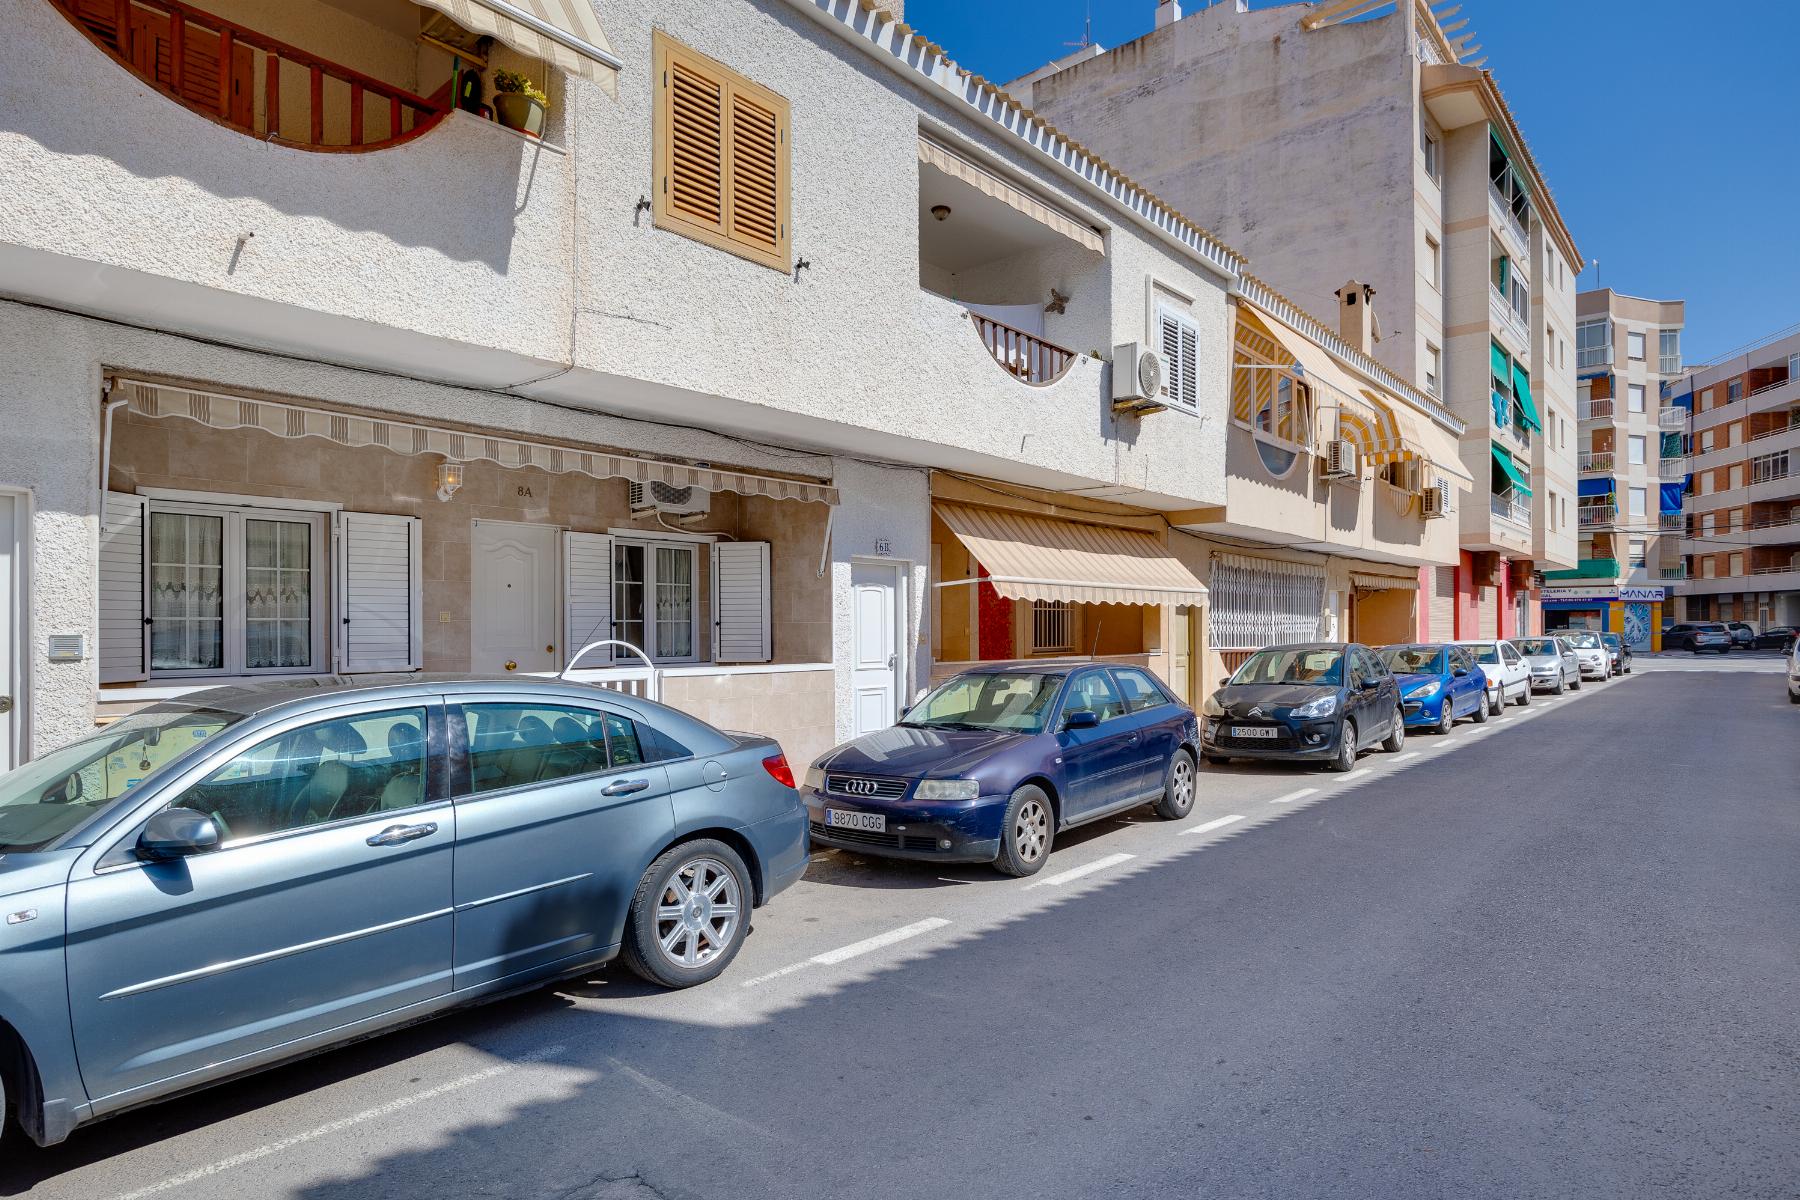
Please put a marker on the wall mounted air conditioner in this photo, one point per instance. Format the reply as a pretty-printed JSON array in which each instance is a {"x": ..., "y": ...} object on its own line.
[
  {"x": 1339, "y": 461},
  {"x": 1138, "y": 377},
  {"x": 1434, "y": 501},
  {"x": 681, "y": 502}
]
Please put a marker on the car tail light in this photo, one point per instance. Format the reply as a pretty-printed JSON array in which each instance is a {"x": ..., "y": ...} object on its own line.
[{"x": 777, "y": 766}]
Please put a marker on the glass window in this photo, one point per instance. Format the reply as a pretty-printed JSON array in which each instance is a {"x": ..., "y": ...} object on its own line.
[
  {"x": 1635, "y": 445},
  {"x": 1734, "y": 390},
  {"x": 1485, "y": 655},
  {"x": 1275, "y": 428},
  {"x": 1432, "y": 149},
  {"x": 328, "y": 771},
  {"x": 1093, "y": 692},
  {"x": 1593, "y": 344},
  {"x": 515, "y": 744},
  {"x": 1139, "y": 690},
  {"x": 654, "y": 589},
  {"x": 1017, "y": 701},
  {"x": 1668, "y": 359},
  {"x": 1052, "y": 626},
  {"x": 1639, "y": 501},
  {"x": 187, "y": 592},
  {"x": 1637, "y": 552},
  {"x": 1321, "y": 665},
  {"x": 1635, "y": 394},
  {"x": 1433, "y": 369},
  {"x": 1414, "y": 660},
  {"x": 623, "y": 746},
  {"x": 1434, "y": 258},
  {"x": 1634, "y": 346}
]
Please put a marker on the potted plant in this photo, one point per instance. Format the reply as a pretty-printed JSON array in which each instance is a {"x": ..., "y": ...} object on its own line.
[{"x": 519, "y": 103}]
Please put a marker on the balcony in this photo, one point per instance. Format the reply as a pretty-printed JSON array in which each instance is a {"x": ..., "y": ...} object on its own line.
[
  {"x": 1505, "y": 316},
  {"x": 1672, "y": 522},
  {"x": 1594, "y": 410},
  {"x": 1679, "y": 572},
  {"x": 1672, "y": 419},
  {"x": 1504, "y": 219},
  {"x": 1514, "y": 508},
  {"x": 1672, "y": 468},
  {"x": 1594, "y": 462},
  {"x": 1025, "y": 356},
  {"x": 1596, "y": 516}
]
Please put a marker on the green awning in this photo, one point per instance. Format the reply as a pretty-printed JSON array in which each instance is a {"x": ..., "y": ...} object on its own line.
[
  {"x": 1522, "y": 395},
  {"x": 1502, "y": 364},
  {"x": 1510, "y": 469}
]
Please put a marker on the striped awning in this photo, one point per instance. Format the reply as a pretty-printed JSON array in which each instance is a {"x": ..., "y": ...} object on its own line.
[
  {"x": 990, "y": 184},
  {"x": 564, "y": 33},
  {"x": 222, "y": 411},
  {"x": 1031, "y": 557},
  {"x": 1369, "y": 582}
]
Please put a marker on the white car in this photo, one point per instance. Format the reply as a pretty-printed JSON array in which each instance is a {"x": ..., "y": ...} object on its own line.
[
  {"x": 1508, "y": 674},
  {"x": 1793, "y": 668},
  {"x": 1590, "y": 653}
]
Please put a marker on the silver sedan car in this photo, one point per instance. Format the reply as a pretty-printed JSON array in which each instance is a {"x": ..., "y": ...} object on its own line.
[
  {"x": 1553, "y": 663},
  {"x": 251, "y": 874}
]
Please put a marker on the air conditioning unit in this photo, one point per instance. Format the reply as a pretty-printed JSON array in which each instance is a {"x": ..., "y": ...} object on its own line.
[
  {"x": 1434, "y": 501},
  {"x": 1340, "y": 460},
  {"x": 682, "y": 502},
  {"x": 1138, "y": 377}
]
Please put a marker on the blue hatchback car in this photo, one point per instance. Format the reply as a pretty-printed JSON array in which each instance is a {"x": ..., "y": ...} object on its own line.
[
  {"x": 992, "y": 763},
  {"x": 248, "y": 875},
  {"x": 1439, "y": 684}
]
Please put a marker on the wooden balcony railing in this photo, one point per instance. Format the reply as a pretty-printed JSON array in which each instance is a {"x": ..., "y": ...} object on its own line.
[
  {"x": 209, "y": 64},
  {"x": 1024, "y": 355}
]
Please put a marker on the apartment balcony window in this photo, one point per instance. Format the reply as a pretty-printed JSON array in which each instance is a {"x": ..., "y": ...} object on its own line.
[
  {"x": 1668, "y": 359},
  {"x": 1511, "y": 506},
  {"x": 1593, "y": 344},
  {"x": 1030, "y": 273},
  {"x": 1507, "y": 187},
  {"x": 1672, "y": 419},
  {"x": 1766, "y": 468}
]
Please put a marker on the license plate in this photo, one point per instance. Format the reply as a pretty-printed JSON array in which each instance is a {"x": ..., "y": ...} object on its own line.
[
  {"x": 1253, "y": 731},
  {"x": 837, "y": 818}
]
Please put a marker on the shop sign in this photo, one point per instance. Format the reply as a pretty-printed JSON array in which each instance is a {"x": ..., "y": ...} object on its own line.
[
  {"x": 1630, "y": 595},
  {"x": 1643, "y": 595}
]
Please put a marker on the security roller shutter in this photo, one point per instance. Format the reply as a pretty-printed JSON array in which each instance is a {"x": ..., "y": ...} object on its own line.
[
  {"x": 1264, "y": 602},
  {"x": 1487, "y": 612},
  {"x": 587, "y": 596},
  {"x": 1443, "y": 603},
  {"x": 121, "y": 649},
  {"x": 740, "y": 596},
  {"x": 379, "y": 620}
]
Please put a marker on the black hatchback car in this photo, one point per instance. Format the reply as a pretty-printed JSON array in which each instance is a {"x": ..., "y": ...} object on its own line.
[{"x": 1317, "y": 702}]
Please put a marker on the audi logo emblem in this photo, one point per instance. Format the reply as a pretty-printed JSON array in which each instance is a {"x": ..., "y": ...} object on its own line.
[{"x": 857, "y": 787}]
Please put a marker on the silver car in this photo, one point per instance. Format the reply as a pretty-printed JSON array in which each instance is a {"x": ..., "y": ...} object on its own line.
[
  {"x": 1552, "y": 661},
  {"x": 218, "y": 884}
]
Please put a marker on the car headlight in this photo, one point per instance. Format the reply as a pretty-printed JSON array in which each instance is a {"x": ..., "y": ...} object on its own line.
[
  {"x": 1425, "y": 691},
  {"x": 1212, "y": 707},
  {"x": 1324, "y": 706},
  {"x": 947, "y": 789},
  {"x": 815, "y": 780}
]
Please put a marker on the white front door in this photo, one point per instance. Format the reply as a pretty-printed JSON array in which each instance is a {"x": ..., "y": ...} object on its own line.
[
  {"x": 875, "y": 671},
  {"x": 513, "y": 618},
  {"x": 12, "y": 600}
]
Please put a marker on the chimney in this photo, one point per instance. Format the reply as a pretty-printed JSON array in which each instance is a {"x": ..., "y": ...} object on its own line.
[
  {"x": 1167, "y": 12},
  {"x": 1356, "y": 316}
]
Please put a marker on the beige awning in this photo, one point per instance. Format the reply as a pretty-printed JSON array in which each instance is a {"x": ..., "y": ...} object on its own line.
[
  {"x": 988, "y": 183},
  {"x": 1030, "y": 557},
  {"x": 222, "y": 411},
  {"x": 1368, "y": 582},
  {"x": 564, "y": 33}
]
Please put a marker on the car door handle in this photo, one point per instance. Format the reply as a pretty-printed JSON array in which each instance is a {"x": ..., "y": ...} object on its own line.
[
  {"x": 624, "y": 787},
  {"x": 393, "y": 835}
]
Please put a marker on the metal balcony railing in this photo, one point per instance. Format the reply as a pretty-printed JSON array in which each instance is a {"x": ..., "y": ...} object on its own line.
[
  {"x": 1596, "y": 516},
  {"x": 1026, "y": 356},
  {"x": 1516, "y": 509},
  {"x": 1672, "y": 468},
  {"x": 1594, "y": 410},
  {"x": 1590, "y": 462},
  {"x": 1673, "y": 419},
  {"x": 1674, "y": 572},
  {"x": 1672, "y": 522}
]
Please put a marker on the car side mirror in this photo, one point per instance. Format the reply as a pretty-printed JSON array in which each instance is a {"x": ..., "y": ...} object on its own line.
[
  {"x": 1369, "y": 685},
  {"x": 1459, "y": 672},
  {"x": 177, "y": 833},
  {"x": 1082, "y": 718}
]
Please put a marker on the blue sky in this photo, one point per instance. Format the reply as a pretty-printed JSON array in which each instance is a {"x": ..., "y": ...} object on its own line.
[{"x": 1669, "y": 131}]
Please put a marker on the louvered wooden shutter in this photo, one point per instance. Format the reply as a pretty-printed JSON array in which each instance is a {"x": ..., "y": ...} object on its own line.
[
  {"x": 722, "y": 161},
  {"x": 587, "y": 596},
  {"x": 122, "y": 590},
  {"x": 1181, "y": 351},
  {"x": 740, "y": 594},
  {"x": 379, "y": 619}
]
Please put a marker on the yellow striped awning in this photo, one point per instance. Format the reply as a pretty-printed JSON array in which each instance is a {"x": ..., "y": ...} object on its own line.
[
  {"x": 990, "y": 184},
  {"x": 564, "y": 33},
  {"x": 1030, "y": 557},
  {"x": 1368, "y": 581}
]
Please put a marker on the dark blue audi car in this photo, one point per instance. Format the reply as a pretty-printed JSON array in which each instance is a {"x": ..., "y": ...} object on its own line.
[{"x": 993, "y": 763}]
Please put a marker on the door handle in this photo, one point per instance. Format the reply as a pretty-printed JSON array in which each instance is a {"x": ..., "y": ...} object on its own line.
[
  {"x": 624, "y": 787},
  {"x": 393, "y": 835}
]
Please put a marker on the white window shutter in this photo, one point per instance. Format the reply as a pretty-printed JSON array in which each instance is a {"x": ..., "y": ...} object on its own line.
[
  {"x": 122, "y": 629},
  {"x": 1181, "y": 354},
  {"x": 740, "y": 595},
  {"x": 587, "y": 596},
  {"x": 380, "y": 623}
]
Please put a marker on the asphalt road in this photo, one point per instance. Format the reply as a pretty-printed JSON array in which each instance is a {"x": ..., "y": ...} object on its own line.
[{"x": 1555, "y": 955}]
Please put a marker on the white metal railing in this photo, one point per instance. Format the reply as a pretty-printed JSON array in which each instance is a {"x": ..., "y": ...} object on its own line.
[
  {"x": 1672, "y": 522},
  {"x": 1672, "y": 419},
  {"x": 1508, "y": 217},
  {"x": 1511, "y": 508},
  {"x": 1672, "y": 468},
  {"x": 1674, "y": 572},
  {"x": 1594, "y": 461},
  {"x": 644, "y": 681},
  {"x": 1793, "y": 424},
  {"x": 1595, "y": 516},
  {"x": 1594, "y": 410}
]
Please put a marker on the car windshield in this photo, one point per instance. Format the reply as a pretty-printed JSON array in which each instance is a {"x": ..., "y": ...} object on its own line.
[
  {"x": 1008, "y": 701},
  {"x": 1540, "y": 647},
  {"x": 1414, "y": 660},
  {"x": 1585, "y": 641},
  {"x": 1316, "y": 664},
  {"x": 1612, "y": 639},
  {"x": 50, "y": 796},
  {"x": 1487, "y": 655}
]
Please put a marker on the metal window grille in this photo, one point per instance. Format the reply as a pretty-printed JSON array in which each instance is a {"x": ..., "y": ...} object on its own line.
[
  {"x": 1258, "y": 603},
  {"x": 1052, "y": 626}
]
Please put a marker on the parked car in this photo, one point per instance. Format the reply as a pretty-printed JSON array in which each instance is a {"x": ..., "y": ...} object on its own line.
[
  {"x": 1553, "y": 663},
  {"x": 1698, "y": 636},
  {"x": 1321, "y": 702},
  {"x": 1439, "y": 684},
  {"x": 1590, "y": 654},
  {"x": 247, "y": 875},
  {"x": 1793, "y": 673},
  {"x": 1776, "y": 637},
  {"x": 1508, "y": 674},
  {"x": 1619, "y": 652},
  {"x": 992, "y": 764},
  {"x": 1743, "y": 636}
]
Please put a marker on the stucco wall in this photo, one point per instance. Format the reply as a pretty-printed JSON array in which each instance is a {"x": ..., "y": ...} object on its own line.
[{"x": 796, "y": 708}]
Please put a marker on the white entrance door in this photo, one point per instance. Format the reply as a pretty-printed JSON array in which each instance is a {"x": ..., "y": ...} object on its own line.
[
  {"x": 875, "y": 671},
  {"x": 513, "y": 618},
  {"x": 12, "y": 602}
]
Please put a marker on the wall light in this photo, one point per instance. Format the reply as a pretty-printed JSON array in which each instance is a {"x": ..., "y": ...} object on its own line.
[
  {"x": 450, "y": 480},
  {"x": 941, "y": 211}
]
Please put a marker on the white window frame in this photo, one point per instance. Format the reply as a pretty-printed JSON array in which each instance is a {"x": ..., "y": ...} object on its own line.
[
  {"x": 1637, "y": 445},
  {"x": 1431, "y": 149},
  {"x": 1434, "y": 367},
  {"x": 1667, "y": 363},
  {"x": 689, "y": 545},
  {"x": 235, "y": 626},
  {"x": 1187, "y": 334},
  {"x": 1434, "y": 257},
  {"x": 1636, "y": 345},
  {"x": 1639, "y": 501},
  {"x": 1636, "y": 398}
]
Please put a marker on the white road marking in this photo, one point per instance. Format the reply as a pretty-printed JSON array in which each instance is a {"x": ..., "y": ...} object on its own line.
[
  {"x": 1299, "y": 795},
  {"x": 1410, "y": 754},
  {"x": 1099, "y": 864},
  {"x": 844, "y": 953},
  {"x": 1347, "y": 776},
  {"x": 1209, "y": 826},
  {"x": 338, "y": 1126}
]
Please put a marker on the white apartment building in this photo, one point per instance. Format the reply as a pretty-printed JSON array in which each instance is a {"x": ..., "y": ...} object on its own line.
[{"x": 1375, "y": 149}]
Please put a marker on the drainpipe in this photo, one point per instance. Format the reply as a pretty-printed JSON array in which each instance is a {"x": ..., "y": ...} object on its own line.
[{"x": 109, "y": 404}]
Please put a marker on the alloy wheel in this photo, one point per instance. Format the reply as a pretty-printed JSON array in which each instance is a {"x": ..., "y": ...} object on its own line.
[
  {"x": 698, "y": 912},
  {"x": 1031, "y": 830},
  {"x": 1181, "y": 783}
]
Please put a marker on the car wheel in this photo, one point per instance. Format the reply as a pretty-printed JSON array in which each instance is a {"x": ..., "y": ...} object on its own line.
[
  {"x": 688, "y": 918},
  {"x": 1481, "y": 711},
  {"x": 1345, "y": 758},
  {"x": 1396, "y": 737},
  {"x": 1525, "y": 695},
  {"x": 1794, "y": 697},
  {"x": 1025, "y": 832},
  {"x": 1561, "y": 681},
  {"x": 1178, "y": 788},
  {"x": 1447, "y": 719},
  {"x": 1575, "y": 683},
  {"x": 1498, "y": 703}
]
